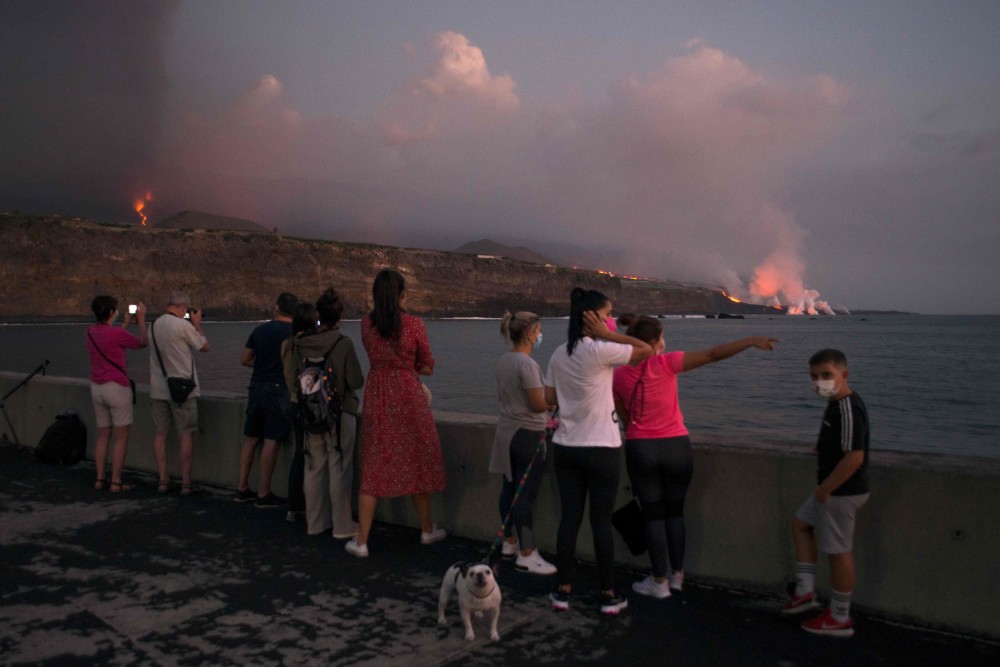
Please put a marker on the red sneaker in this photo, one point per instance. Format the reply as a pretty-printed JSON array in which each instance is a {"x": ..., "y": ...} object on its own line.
[
  {"x": 800, "y": 604},
  {"x": 826, "y": 624}
]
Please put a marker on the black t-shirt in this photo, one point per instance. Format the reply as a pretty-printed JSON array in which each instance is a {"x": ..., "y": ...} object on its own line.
[
  {"x": 265, "y": 341},
  {"x": 844, "y": 429}
]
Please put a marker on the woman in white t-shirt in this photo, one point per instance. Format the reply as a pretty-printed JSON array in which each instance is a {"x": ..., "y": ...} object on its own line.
[
  {"x": 586, "y": 458},
  {"x": 519, "y": 442}
]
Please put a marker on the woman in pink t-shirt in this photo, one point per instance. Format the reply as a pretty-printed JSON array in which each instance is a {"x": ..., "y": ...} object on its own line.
[
  {"x": 657, "y": 447},
  {"x": 110, "y": 387}
]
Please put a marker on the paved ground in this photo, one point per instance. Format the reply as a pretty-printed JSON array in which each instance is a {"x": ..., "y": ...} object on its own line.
[{"x": 90, "y": 578}]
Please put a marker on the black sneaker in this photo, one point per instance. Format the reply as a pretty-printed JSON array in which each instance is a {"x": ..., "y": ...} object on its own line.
[
  {"x": 271, "y": 501},
  {"x": 244, "y": 496},
  {"x": 612, "y": 605}
]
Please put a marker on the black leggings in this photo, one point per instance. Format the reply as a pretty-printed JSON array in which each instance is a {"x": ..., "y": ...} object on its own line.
[
  {"x": 523, "y": 450},
  {"x": 581, "y": 471},
  {"x": 660, "y": 470}
]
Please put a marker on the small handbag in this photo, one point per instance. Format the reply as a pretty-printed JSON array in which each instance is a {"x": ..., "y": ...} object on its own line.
[
  {"x": 180, "y": 388},
  {"x": 631, "y": 525}
]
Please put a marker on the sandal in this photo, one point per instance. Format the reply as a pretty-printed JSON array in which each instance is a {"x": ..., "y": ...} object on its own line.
[
  {"x": 190, "y": 489},
  {"x": 163, "y": 487},
  {"x": 118, "y": 487},
  {"x": 99, "y": 485}
]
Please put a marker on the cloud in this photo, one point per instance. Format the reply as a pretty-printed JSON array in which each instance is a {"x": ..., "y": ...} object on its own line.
[
  {"x": 461, "y": 71},
  {"x": 678, "y": 173}
]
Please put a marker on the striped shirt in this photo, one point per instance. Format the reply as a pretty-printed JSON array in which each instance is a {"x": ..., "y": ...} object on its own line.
[{"x": 844, "y": 429}]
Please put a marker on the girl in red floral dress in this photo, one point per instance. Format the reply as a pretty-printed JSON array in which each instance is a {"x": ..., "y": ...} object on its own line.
[{"x": 401, "y": 453}]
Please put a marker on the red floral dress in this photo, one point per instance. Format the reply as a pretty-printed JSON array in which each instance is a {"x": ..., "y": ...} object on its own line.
[{"x": 400, "y": 449}]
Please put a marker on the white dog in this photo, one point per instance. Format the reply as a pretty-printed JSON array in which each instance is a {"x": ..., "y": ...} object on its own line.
[{"x": 478, "y": 592}]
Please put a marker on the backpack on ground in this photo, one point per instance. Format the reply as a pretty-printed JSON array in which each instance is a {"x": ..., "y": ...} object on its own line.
[
  {"x": 319, "y": 402},
  {"x": 65, "y": 441}
]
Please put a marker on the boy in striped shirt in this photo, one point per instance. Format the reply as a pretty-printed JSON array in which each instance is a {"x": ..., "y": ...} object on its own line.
[{"x": 825, "y": 521}]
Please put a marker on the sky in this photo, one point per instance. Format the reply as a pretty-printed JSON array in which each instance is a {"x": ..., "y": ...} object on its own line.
[{"x": 821, "y": 155}]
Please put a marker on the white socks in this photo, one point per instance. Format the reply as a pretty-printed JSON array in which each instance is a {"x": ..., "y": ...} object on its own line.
[
  {"x": 805, "y": 578},
  {"x": 840, "y": 605}
]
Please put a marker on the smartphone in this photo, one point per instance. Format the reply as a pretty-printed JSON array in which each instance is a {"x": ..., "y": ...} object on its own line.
[{"x": 132, "y": 308}]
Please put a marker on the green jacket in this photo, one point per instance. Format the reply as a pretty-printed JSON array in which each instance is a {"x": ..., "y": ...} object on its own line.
[{"x": 346, "y": 366}]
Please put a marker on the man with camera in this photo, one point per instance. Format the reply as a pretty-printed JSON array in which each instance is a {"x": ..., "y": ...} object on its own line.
[{"x": 173, "y": 383}]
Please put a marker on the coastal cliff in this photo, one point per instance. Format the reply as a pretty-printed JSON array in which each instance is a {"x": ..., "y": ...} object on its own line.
[{"x": 51, "y": 268}]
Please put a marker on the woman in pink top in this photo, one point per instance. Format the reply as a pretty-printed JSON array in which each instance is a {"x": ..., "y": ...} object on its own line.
[
  {"x": 657, "y": 447},
  {"x": 110, "y": 388}
]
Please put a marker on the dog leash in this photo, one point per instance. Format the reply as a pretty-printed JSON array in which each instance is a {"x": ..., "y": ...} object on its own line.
[{"x": 498, "y": 540}]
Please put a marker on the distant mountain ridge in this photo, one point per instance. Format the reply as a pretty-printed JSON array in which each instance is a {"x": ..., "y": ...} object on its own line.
[
  {"x": 202, "y": 220},
  {"x": 488, "y": 247},
  {"x": 51, "y": 268}
]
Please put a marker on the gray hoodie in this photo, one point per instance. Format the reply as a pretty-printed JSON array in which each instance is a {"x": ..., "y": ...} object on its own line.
[{"x": 345, "y": 363}]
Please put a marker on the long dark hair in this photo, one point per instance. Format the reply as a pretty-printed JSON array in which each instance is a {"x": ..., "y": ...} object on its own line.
[
  {"x": 580, "y": 301},
  {"x": 387, "y": 314}
]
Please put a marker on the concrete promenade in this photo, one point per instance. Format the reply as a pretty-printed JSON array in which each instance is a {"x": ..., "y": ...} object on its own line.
[{"x": 92, "y": 578}]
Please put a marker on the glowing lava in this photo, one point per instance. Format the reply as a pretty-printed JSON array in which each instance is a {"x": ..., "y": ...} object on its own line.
[{"x": 140, "y": 204}]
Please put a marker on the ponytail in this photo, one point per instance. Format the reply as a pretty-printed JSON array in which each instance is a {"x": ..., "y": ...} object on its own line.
[
  {"x": 580, "y": 301},
  {"x": 514, "y": 327}
]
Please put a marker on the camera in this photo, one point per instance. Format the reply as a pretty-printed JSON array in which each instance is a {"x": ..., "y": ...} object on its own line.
[
  {"x": 132, "y": 308},
  {"x": 187, "y": 315}
]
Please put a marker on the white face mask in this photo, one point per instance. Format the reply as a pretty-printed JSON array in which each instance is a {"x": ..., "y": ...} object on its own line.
[
  {"x": 825, "y": 388},
  {"x": 538, "y": 341}
]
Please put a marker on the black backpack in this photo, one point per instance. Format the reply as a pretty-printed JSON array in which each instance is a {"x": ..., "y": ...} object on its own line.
[
  {"x": 319, "y": 402},
  {"x": 65, "y": 441}
]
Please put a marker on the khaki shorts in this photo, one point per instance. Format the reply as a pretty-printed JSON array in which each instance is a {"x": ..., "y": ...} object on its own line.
[
  {"x": 833, "y": 521},
  {"x": 184, "y": 417},
  {"x": 112, "y": 404}
]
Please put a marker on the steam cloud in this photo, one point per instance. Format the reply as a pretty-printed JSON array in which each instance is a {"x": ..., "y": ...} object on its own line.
[{"x": 677, "y": 173}]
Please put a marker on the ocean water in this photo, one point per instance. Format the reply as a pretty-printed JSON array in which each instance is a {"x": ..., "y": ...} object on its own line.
[{"x": 931, "y": 383}]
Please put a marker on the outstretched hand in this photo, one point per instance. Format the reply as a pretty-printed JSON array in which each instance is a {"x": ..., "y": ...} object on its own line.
[
  {"x": 593, "y": 325},
  {"x": 763, "y": 342}
]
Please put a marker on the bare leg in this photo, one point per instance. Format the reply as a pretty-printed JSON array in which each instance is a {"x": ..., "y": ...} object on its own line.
[
  {"x": 246, "y": 462},
  {"x": 366, "y": 515},
  {"x": 160, "y": 450},
  {"x": 118, "y": 453},
  {"x": 805, "y": 541},
  {"x": 187, "y": 457},
  {"x": 101, "y": 455},
  {"x": 268, "y": 460},
  {"x": 842, "y": 574},
  {"x": 422, "y": 503}
]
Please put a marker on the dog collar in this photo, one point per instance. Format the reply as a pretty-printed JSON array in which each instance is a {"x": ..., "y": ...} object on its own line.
[{"x": 488, "y": 593}]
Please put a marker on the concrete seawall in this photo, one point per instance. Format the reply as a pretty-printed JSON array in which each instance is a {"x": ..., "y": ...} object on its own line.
[{"x": 926, "y": 544}]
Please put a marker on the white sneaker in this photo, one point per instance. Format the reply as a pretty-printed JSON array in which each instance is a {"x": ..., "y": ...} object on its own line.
[
  {"x": 648, "y": 586},
  {"x": 436, "y": 535},
  {"x": 534, "y": 564},
  {"x": 676, "y": 580},
  {"x": 352, "y": 547},
  {"x": 509, "y": 549}
]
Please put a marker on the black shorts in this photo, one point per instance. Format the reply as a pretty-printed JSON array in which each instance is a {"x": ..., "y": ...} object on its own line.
[{"x": 269, "y": 411}]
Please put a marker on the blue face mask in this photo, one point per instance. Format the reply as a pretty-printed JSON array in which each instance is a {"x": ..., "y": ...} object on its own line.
[{"x": 538, "y": 341}]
